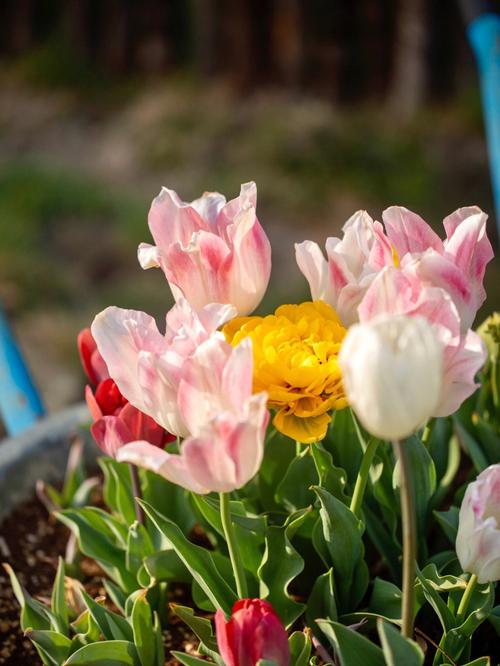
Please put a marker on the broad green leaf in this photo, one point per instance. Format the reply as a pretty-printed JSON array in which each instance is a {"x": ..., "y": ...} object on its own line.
[
  {"x": 200, "y": 626},
  {"x": 279, "y": 451},
  {"x": 59, "y": 607},
  {"x": 352, "y": 648},
  {"x": 343, "y": 443},
  {"x": 423, "y": 480},
  {"x": 142, "y": 626},
  {"x": 166, "y": 565},
  {"x": 448, "y": 521},
  {"x": 223, "y": 565},
  {"x": 112, "y": 626},
  {"x": 249, "y": 529},
  {"x": 321, "y": 602},
  {"x": 470, "y": 445},
  {"x": 169, "y": 499},
  {"x": 449, "y": 474},
  {"x": 397, "y": 649},
  {"x": 51, "y": 644},
  {"x": 198, "y": 560},
  {"x": 300, "y": 648},
  {"x": 439, "y": 605},
  {"x": 83, "y": 492},
  {"x": 494, "y": 618},
  {"x": 116, "y": 595},
  {"x": 383, "y": 541},
  {"x": 34, "y": 615},
  {"x": 159, "y": 647},
  {"x": 293, "y": 491},
  {"x": 281, "y": 563},
  {"x": 86, "y": 631},
  {"x": 385, "y": 599},
  {"x": 343, "y": 536},
  {"x": 189, "y": 660},
  {"x": 331, "y": 478},
  {"x": 105, "y": 653},
  {"x": 102, "y": 538},
  {"x": 139, "y": 546}
]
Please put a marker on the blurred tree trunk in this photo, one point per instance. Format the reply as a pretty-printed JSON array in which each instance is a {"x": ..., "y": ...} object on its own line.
[
  {"x": 205, "y": 21},
  {"x": 407, "y": 90},
  {"x": 287, "y": 42},
  {"x": 21, "y": 25}
]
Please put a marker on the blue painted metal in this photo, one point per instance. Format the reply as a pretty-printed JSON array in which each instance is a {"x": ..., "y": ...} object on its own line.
[
  {"x": 484, "y": 36},
  {"x": 20, "y": 403}
]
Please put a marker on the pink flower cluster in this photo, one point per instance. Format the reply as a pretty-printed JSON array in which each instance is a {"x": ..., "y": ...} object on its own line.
[{"x": 407, "y": 269}]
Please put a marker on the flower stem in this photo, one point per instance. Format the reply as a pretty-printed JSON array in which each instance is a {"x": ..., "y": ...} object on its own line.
[
  {"x": 137, "y": 492},
  {"x": 409, "y": 538},
  {"x": 464, "y": 602},
  {"x": 362, "y": 478},
  {"x": 234, "y": 554}
]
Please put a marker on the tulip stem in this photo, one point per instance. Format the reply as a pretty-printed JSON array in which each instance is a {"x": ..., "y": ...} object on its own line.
[
  {"x": 232, "y": 546},
  {"x": 409, "y": 538},
  {"x": 464, "y": 602},
  {"x": 137, "y": 492},
  {"x": 362, "y": 479}
]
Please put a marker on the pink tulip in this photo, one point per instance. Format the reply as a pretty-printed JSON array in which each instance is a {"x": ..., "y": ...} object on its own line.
[
  {"x": 353, "y": 263},
  {"x": 116, "y": 421},
  {"x": 210, "y": 251},
  {"x": 395, "y": 291},
  {"x": 147, "y": 365},
  {"x": 253, "y": 632},
  {"x": 227, "y": 423},
  {"x": 478, "y": 536},
  {"x": 457, "y": 264}
]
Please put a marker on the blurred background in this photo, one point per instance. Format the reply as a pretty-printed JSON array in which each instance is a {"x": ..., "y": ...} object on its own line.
[{"x": 329, "y": 105}]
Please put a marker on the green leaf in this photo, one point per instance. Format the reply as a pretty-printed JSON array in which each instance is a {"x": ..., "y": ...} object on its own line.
[
  {"x": 105, "y": 653},
  {"x": 117, "y": 491},
  {"x": 490, "y": 441},
  {"x": 383, "y": 541},
  {"x": 166, "y": 565},
  {"x": 385, "y": 599},
  {"x": 321, "y": 602},
  {"x": 59, "y": 607},
  {"x": 83, "y": 492},
  {"x": 34, "y": 615},
  {"x": 396, "y": 648},
  {"x": 430, "y": 591},
  {"x": 249, "y": 528},
  {"x": 343, "y": 443},
  {"x": 352, "y": 648},
  {"x": 331, "y": 478},
  {"x": 280, "y": 565},
  {"x": 112, "y": 626},
  {"x": 438, "y": 444},
  {"x": 200, "y": 626},
  {"x": 470, "y": 445},
  {"x": 50, "y": 644},
  {"x": 159, "y": 647},
  {"x": 189, "y": 660},
  {"x": 293, "y": 491},
  {"x": 86, "y": 630},
  {"x": 494, "y": 618},
  {"x": 139, "y": 546},
  {"x": 169, "y": 499},
  {"x": 448, "y": 476},
  {"x": 448, "y": 521},
  {"x": 101, "y": 538},
  {"x": 116, "y": 595},
  {"x": 198, "y": 560},
  {"x": 142, "y": 626},
  {"x": 343, "y": 537},
  {"x": 300, "y": 648},
  {"x": 423, "y": 479},
  {"x": 279, "y": 452}
]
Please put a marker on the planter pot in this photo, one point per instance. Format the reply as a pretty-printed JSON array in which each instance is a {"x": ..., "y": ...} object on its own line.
[{"x": 40, "y": 452}]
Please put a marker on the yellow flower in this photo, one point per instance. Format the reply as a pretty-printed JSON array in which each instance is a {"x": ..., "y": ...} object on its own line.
[{"x": 296, "y": 361}]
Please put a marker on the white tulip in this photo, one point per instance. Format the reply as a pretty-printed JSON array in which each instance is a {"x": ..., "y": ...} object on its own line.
[
  {"x": 478, "y": 536},
  {"x": 392, "y": 369}
]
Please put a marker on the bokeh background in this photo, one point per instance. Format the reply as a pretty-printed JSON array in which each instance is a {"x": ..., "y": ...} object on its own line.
[{"x": 329, "y": 105}]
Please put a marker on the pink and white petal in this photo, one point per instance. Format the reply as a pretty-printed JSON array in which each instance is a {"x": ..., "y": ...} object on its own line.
[
  {"x": 381, "y": 253},
  {"x": 247, "y": 198},
  {"x": 314, "y": 268},
  {"x": 461, "y": 364},
  {"x": 207, "y": 459},
  {"x": 408, "y": 232},
  {"x": 452, "y": 221},
  {"x": 120, "y": 336},
  {"x": 171, "y": 220},
  {"x": 237, "y": 376},
  {"x": 208, "y": 207},
  {"x": 349, "y": 300},
  {"x": 171, "y": 466},
  {"x": 214, "y": 315},
  {"x": 149, "y": 256},
  {"x": 391, "y": 292},
  {"x": 357, "y": 242},
  {"x": 111, "y": 433}
]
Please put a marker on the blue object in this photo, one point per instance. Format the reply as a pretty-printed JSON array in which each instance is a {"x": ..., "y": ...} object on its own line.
[
  {"x": 20, "y": 403},
  {"x": 484, "y": 36}
]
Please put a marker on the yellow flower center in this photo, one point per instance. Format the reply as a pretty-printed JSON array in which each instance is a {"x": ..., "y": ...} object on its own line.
[{"x": 295, "y": 354}]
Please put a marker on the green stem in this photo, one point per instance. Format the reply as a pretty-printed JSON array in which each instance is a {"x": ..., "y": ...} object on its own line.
[
  {"x": 137, "y": 492},
  {"x": 298, "y": 448},
  {"x": 409, "y": 539},
  {"x": 428, "y": 430},
  {"x": 362, "y": 479},
  {"x": 464, "y": 602},
  {"x": 232, "y": 546},
  {"x": 494, "y": 385}
]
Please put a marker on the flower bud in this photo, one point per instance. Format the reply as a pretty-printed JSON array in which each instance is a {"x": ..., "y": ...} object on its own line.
[
  {"x": 392, "y": 374},
  {"x": 253, "y": 632},
  {"x": 478, "y": 537},
  {"x": 490, "y": 333}
]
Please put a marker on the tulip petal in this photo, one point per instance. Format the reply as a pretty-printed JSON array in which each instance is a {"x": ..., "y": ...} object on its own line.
[
  {"x": 111, "y": 434},
  {"x": 408, "y": 232},
  {"x": 314, "y": 267}
]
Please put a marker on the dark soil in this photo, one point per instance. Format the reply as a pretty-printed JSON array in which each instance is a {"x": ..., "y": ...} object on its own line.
[{"x": 31, "y": 541}]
